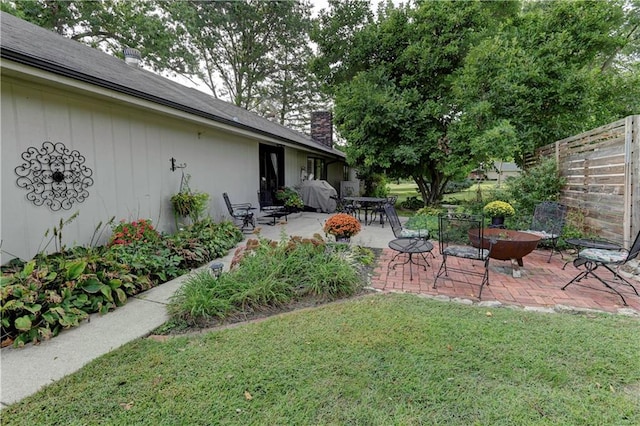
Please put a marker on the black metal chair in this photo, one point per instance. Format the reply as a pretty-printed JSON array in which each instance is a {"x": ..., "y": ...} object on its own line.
[
  {"x": 270, "y": 210},
  {"x": 592, "y": 258},
  {"x": 241, "y": 212},
  {"x": 379, "y": 209},
  {"x": 407, "y": 241},
  {"x": 396, "y": 226},
  {"x": 462, "y": 236},
  {"x": 548, "y": 222}
]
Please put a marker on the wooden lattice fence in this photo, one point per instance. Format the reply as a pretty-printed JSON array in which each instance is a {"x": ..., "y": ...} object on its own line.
[{"x": 602, "y": 169}]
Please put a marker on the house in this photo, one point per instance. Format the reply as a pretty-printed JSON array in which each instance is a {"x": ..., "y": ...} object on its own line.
[{"x": 86, "y": 132}]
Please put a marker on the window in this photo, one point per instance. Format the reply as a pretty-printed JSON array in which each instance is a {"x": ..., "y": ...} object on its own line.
[{"x": 316, "y": 167}]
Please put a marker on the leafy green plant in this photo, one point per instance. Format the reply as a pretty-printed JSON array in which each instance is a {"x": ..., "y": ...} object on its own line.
[
  {"x": 56, "y": 291},
  {"x": 189, "y": 203},
  {"x": 290, "y": 198},
  {"x": 541, "y": 182},
  {"x": 128, "y": 232},
  {"x": 423, "y": 221},
  {"x": 412, "y": 203}
]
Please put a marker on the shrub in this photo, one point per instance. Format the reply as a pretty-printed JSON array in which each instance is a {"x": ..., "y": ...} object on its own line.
[
  {"x": 412, "y": 203},
  {"x": 534, "y": 185}
]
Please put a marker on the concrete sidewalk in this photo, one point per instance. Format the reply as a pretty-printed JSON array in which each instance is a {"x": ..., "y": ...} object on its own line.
[{"x": 24, "y": 371}]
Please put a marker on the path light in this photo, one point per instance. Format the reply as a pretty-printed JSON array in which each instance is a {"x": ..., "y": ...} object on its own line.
[{"x": 216, "y": 269}]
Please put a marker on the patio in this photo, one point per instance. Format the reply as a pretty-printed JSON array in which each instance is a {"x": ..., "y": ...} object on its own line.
[{"x": 537, "y": 288}]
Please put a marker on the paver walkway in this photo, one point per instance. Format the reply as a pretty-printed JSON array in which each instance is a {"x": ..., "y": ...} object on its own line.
[{"x": 539, "y": 286}]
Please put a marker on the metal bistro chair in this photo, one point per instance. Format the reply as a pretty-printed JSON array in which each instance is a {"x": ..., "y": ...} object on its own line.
[
  {"x": 379, "y": 210},
  {"x": 407, "y": 241},
  {"x": 548, "y": 222},
  {"x": 592, "y": 258},
  {"x": 396, "y": 226},
  {"x": 241, "y": 212},
  {"x": 461, "y": 235}
]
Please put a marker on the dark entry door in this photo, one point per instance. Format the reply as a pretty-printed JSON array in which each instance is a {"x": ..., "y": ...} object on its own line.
[{"x": 271, "y": 168}]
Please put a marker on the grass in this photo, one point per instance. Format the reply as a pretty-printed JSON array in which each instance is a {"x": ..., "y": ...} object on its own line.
[
  {"x": 407, "y": 189},
  {"x": 383, "y": 359}
]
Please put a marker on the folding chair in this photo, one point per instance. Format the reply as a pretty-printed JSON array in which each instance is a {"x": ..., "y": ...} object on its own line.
[
  {"x": 240, "y": 212},
  {"x": 612, "y": 260},
  {"x": 548, "y": 222},
  {"x": 458, "y": 236}
]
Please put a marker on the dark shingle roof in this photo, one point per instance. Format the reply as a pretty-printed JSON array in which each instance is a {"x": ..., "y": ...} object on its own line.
[{"x": 31, "y": 45}]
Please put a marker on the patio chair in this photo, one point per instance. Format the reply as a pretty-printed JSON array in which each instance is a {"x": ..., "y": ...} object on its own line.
[
  {"x": 548, "y": 222},
  {"x": 379, "y": 209},
  {"x": 407, "y": 241},
  {"x": 241, "y": 212},
  {"x": 396, "y": 226},
  {"x": 592, "y": 258},
  {"x": 462, "y": 236},
  {"x": 270, "y": 210}
]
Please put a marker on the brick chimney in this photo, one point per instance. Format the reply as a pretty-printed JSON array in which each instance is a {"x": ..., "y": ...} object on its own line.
[{"x": 322, "y": 127}]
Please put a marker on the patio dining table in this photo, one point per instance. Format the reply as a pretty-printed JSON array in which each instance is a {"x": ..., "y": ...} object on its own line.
[{"x": 368, "y": 204}]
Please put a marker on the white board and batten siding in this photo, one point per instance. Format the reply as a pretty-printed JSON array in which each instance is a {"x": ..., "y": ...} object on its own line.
[{"x": 129, "y": 151}]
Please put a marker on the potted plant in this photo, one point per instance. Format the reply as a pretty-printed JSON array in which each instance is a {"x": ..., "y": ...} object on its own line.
[
  {"x": 342, "y": 226},
  {"x": 290, "y": 199},
  {"x": 188, "y": 203},
  {"x": 498, "y": 210}
]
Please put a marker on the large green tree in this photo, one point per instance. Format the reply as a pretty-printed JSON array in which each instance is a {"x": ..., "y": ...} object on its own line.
[
  {"x": 394, "y": 102},
  {"x": 550, "y": 73},
  {"x": 433, "y": 89},
  {"x": 111, "y": 25}
]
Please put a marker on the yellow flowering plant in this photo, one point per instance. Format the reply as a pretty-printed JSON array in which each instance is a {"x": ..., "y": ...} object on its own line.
[
  {"x": 499, "y": 208},
  {"x": 342, "y": 225}
]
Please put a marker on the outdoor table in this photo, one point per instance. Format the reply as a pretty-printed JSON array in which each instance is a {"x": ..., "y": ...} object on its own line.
[
  {"x": 583, "y": 243},
  {"x": 275, "y": 212},
  {"x": 368, "y": 203},
  {"x": 411, "y": 246}
]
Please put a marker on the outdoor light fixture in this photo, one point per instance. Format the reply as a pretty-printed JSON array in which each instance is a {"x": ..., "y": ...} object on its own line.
[{"x": 216, "y": 269}]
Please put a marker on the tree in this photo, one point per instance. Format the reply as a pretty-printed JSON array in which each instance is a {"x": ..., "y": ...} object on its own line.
[
  {"x": 545, "y": 76},
  {"x": 394, "y": 102},
  {"x": 244, "y": 45},
  {"x": 111, "y": 25}
]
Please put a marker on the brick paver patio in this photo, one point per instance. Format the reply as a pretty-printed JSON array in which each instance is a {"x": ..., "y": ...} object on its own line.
[{"x": 539, "y": 286}]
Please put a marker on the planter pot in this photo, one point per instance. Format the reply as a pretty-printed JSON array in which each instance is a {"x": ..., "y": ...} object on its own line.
[
  {"x": 497, "y": 222},
  {"x": 345, "y": 240}
]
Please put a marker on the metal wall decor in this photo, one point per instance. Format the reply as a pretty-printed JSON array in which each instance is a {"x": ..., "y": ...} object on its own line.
[{"x": 54, "y": 175}]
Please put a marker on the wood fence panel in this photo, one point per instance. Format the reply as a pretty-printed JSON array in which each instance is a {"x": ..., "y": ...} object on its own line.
[{"x": 602, "y": 170}]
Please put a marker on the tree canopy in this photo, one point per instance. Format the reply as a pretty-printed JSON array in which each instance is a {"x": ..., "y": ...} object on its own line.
[{"x": 431, "y": 90}]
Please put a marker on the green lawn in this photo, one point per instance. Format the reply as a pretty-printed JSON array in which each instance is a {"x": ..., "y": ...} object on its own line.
[
  {"x": 383, "y": 359},
  {"x": 407, "y": 189}
]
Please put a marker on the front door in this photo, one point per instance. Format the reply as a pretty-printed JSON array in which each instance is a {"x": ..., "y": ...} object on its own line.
[{"x": 271, "y": 168}]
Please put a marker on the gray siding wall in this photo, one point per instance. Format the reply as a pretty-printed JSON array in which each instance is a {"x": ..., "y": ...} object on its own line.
[{"x": 128, "y": 149}]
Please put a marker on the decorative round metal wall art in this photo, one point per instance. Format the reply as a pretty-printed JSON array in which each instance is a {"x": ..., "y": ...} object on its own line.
[{"x": 54, "y": 176}]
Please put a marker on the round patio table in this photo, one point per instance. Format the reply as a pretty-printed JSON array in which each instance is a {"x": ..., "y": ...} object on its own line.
[{"x": 410, "y": 246}]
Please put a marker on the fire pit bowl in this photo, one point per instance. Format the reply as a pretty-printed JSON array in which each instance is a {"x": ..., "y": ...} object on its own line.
[{"x": 508, "y": 244}]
